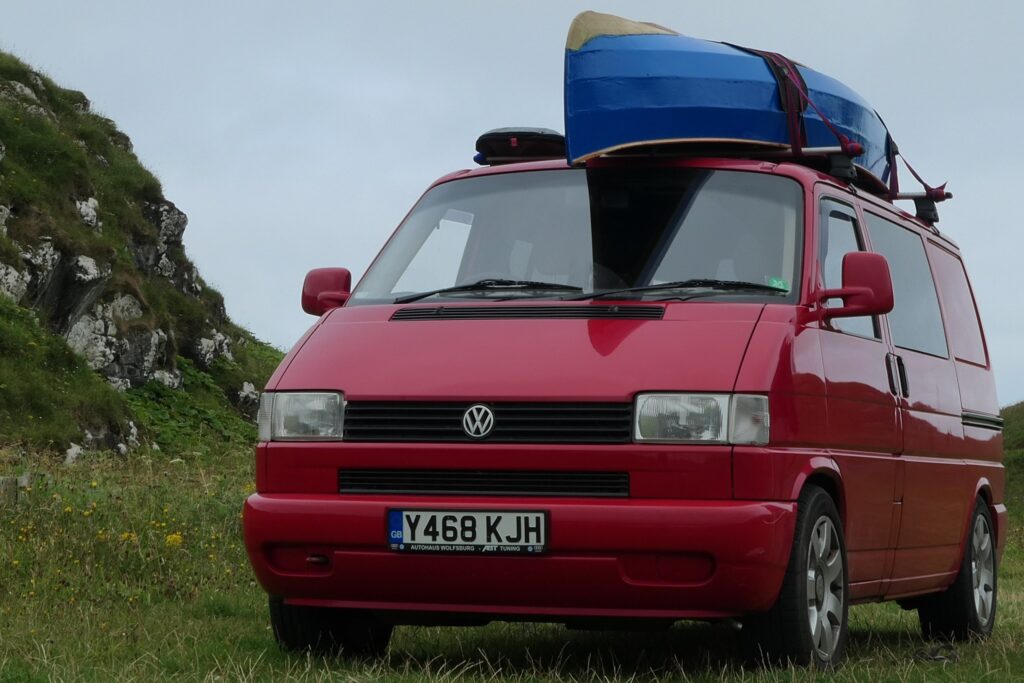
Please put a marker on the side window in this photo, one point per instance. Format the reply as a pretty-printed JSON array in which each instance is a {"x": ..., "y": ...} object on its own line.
[
  {"x": 961, "y": 314},
  {"x": 838, "y": 238},
  {"x": 915, "y": 320}
]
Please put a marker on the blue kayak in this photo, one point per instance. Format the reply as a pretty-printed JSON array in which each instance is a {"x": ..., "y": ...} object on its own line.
[{"x": 630, "y": 85}]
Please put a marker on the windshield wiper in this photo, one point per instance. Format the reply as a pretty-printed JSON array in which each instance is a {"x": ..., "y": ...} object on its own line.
[
  {"x": 490, "y": 283},
  {"x": 696, "y": 283}
]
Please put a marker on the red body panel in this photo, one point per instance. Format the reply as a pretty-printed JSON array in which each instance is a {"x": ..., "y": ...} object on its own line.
[{"x": 706, "y": 530}]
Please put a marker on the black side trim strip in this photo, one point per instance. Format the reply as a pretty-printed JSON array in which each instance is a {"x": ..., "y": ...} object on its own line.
[{"x": 982, "y": 420}]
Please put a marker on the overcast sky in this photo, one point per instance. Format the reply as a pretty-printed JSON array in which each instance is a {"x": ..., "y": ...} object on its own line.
[{"x": 297, "y": 134}]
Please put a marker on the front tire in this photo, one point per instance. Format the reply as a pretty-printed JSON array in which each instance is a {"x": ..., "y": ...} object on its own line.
[
  {"x": 328, "y": 631},
  {"x": 967, "y": 608},
  {"x": 808, "y": 623}
]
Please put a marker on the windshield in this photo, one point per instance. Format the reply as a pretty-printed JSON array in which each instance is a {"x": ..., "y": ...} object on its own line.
[{"x": 594, "y": 230}]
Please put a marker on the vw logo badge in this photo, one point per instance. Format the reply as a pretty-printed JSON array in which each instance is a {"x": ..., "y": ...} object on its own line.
[{"x": 478, "y": 421}]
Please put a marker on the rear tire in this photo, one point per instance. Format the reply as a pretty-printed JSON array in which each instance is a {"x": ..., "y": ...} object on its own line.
[
  {"x": 323, "y": 630},
  {"x": 808, "y": 625},
  {"x": 967, "y": 609}
]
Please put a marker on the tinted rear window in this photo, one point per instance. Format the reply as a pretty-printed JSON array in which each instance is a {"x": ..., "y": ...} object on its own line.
[
  {"x": 961, "y": 314},
  {"x": 915, "y": 320}
]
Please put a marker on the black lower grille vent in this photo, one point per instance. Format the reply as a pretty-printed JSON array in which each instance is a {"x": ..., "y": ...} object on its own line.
[
  {"x": 629, "y": 312},
  {"x": 485, "y": 482},
  {"x": 512, "y": 423}
]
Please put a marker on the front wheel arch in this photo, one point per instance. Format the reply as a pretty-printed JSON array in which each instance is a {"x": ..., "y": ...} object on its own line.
[{"x": 783, "y": 634}]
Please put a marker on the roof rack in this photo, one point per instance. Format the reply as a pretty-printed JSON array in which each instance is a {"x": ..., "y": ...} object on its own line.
[{"x": 834, "y": 161}]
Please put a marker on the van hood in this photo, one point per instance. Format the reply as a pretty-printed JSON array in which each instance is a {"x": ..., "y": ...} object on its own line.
[{"x": 367, "y": 355}]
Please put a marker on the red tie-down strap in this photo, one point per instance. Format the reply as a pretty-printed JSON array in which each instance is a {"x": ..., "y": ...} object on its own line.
[
  {"x": 937, "y": 194},
  {"x": 788, "y": 69},
  {"x": 793, "y": 99}
]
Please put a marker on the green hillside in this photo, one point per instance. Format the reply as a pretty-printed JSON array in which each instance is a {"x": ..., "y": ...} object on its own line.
[
  {"x": 1013, "y": 430},
  {"x": 108, "y": 334}
]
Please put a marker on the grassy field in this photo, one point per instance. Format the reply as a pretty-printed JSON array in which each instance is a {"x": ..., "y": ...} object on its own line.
[{"x": 133, "y": 569}]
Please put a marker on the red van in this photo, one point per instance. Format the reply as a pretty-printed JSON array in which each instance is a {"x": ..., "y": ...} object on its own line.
[{"x": 648, "y": 389}]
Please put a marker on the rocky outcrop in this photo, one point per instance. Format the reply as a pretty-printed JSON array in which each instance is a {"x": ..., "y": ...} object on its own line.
[
  {"x": 112, "y": 330},
  {"x": 126, "y": 358},
  {"x": 93, "y": 295},
  {"x": 60, "y": 286}
]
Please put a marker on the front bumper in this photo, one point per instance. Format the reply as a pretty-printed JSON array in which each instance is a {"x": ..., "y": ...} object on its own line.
[{"x": 624, "y": 558}]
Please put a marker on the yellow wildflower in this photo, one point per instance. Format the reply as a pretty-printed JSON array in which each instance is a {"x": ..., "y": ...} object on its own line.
[{"x": 174, "y": 540}]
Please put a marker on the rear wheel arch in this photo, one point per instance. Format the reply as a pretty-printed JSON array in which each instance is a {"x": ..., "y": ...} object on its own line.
[
  {"x": 983, "y": 493},
  {"x": 967, "y": 608}
]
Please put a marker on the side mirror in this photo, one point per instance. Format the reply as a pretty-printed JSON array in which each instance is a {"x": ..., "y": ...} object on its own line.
[
  {"x": 324, "y": 289},
  {"x": 866, "y": 290}
]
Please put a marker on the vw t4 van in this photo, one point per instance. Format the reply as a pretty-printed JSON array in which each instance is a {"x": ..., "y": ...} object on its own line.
[{"x": 647, "y": 389}]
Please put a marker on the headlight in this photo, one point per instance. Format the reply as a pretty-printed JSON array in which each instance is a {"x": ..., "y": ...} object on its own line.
[
  {"x": 301, "y": 416},
  {"x": 702, "y": 418}
]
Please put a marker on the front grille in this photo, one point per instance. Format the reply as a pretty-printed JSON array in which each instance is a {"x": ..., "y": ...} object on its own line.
[
  {"x": 485, "y": 482},
  {"x": 586, "y": 312},
  {"x": 513, "y": 422}
]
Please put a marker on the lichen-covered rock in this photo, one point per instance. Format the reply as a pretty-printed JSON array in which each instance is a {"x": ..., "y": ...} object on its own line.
[
  {"x": 5, "y": 211},
  {"x": 87, "y": 210},
  {"x": 86, "y": 270},
  {"x": 21, "y": 94},
  {"x": 14, "y": 89},
  {"x": 127, "y": 358},
  {"x": 133, "y": 435},
  {"x": 13, "y": 283},
  {"x": 119, "y": 383},
  {"x": 62, "y": 287},
  {"x": 248, "y": 395},
  {"x": 209, "y": 349},
  {"x": 169, "y": 220},
  {"x": 93, "y": 336},
  {"x": 42, "y": 263},
  {"x": 43, "y": 258},
  {"x": 169, "y": 378},
  {"x": 73, "y": 453},
  {"x": 126, "y": 308},
  {"x": 165, "y": 267}
]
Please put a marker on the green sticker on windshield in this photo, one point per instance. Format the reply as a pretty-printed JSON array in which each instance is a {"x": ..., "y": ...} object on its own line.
[{"x": 778, "y": 283}]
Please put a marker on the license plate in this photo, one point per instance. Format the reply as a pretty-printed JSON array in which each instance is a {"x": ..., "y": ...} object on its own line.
[{"x": 454, "y": 531}]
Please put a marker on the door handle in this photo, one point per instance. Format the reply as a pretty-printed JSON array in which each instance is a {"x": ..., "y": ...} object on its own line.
[
  {"x": 893, "y": 373},
  {"x": 904, "y": 382}
]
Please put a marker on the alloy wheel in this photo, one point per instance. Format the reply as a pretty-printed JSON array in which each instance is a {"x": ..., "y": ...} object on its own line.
[
  {"x": 825, "y": 587},
  {"x": 983, "y": 568}
]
